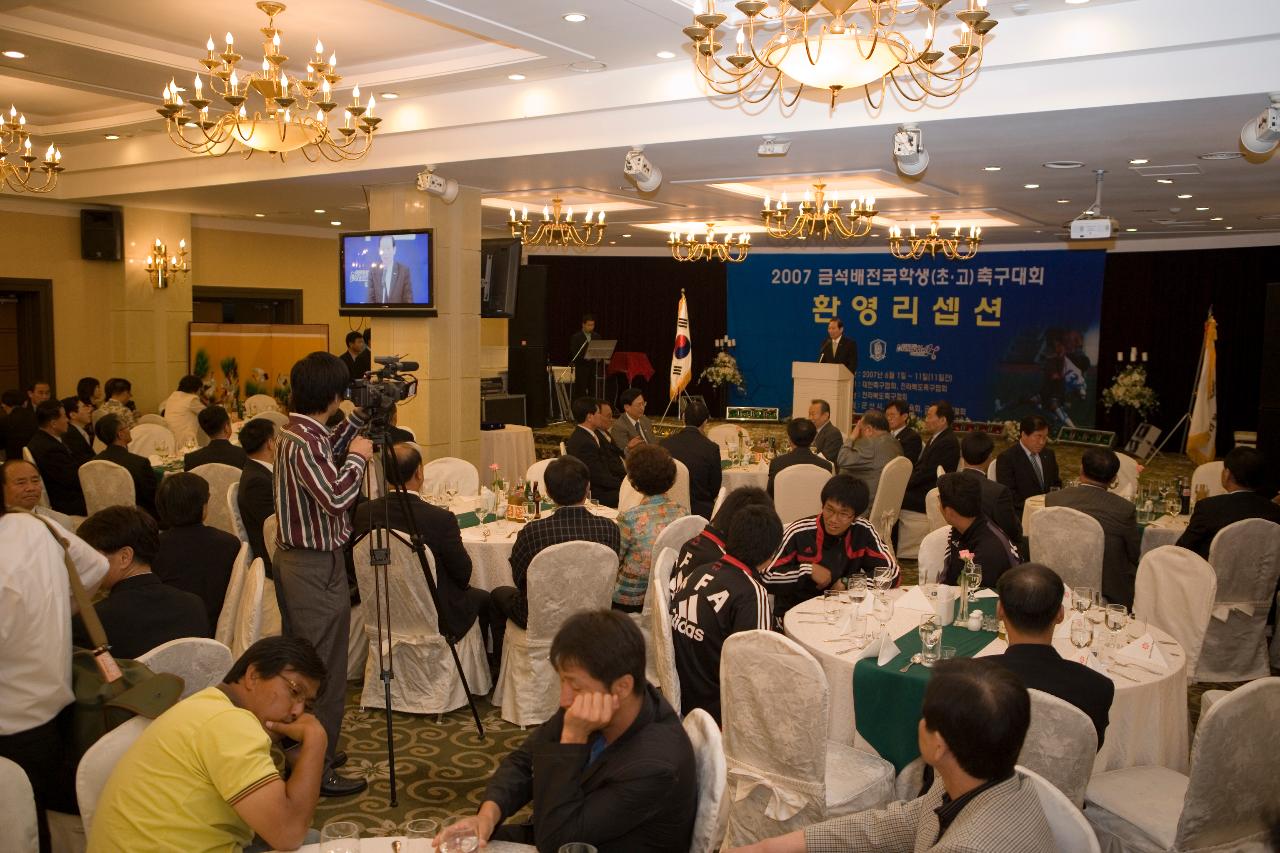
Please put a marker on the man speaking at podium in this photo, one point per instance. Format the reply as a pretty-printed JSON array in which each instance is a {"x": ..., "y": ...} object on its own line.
[{"x": 837, "y": 348}]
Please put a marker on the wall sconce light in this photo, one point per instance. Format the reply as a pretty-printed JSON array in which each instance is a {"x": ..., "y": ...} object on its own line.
[{"x": 163, "y": 268}]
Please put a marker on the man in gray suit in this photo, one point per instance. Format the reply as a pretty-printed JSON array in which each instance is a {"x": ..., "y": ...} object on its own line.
[
  {"x": 974, "y": 721},
  {"x": 634, "y": 427},
  {"x": 828, "y": 441},
  {"x": 870, "y": 448},
  {"x": 1122, "y": 542}
]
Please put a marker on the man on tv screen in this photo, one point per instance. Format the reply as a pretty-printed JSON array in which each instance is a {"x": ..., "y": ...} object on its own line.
[{"x": 389, "y": 280}]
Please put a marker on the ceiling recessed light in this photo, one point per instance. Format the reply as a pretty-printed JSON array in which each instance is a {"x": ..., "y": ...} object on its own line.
[
  {"x": 1063, "y": 164},
  {"x": 1184, "y": 195},
  {"x": 14, "y": 54},
  {"x": 1076, "y": 2},
  {"x": 575, "y": 17},
  {"x": 189, "y": 124},
  {"x": 587, "y": 66},
  {"x": 990, "y": 168},
  {"x": 665, "y": 54},
  {"x": 388, "y": 96},
  {"x": 1230, "y": 227},
  {"x": 1202, "y": 208},
  {"x": 613, "y": 242},
  {"x": 1031, "y": 186},
  {"x": 516, "y": 77},
  {"x": 112, "y": 136},
  {"x": 626, "y": 235},
  {"x": 1064, "y": 201},
  {"x": 260, "y": 215},
  {"x": 1215, "y": 218},
  {"x": 1163, "y": 181},
  {"x": 1131, "y": 229},
  {"x": 335, "y": 222},
  {"x": 1139, "y": 162},
  {"x": 319, "y": 210}
]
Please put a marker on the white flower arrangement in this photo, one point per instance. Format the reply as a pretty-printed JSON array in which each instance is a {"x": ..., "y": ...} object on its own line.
[
  {"x": 1129, "y": 389},
  {"x": 1012, "y": 431},
  {"x": 724, "y": 371}
]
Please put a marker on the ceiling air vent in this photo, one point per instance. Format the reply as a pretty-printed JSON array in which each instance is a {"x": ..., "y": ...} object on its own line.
[{"x": 1167, "y": 171}]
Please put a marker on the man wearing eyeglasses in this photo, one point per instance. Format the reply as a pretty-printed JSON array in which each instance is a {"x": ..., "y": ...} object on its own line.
[
  {"x": 200, "y": 777},
  {"x": 827, "y": 549}
]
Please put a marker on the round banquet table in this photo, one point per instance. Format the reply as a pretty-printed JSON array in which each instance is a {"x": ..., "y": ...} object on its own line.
[
  {"x": 384, "y": 845},
  {"x": 755, "y": 474},
  {"x": 1148, "y": 722},
  {"x": 511, "y": 448}
]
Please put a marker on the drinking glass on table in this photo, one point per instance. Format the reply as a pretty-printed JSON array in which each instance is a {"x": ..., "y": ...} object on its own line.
[
  {"x": 883, "y": 578},
  {"x": 858, "y": 590},
  {"x": 973, "y": 577},
  {"x": 340, "y": 836},
  {"x": 882, "y": 609},
  {"x": 1081, "y": 632},
  {"x": 459, "y": 835},
  {"x": 831, "y": 606},
  {"x": 857, "y": 633},
  {"x": 1116, "y": 616},
  {"x": 1081, "y": 599},
  {"x": 930, "y": 639},
  {"x": 419, "y": 835}
]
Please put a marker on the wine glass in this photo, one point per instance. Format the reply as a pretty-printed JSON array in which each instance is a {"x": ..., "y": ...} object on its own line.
[
  {"x": 973, "y": 578},
  {"x": 459, "y": 835},
  {"x": 930, "y": 638},
  {"x": 883, "y": 578},
  {"x": 882, "y": 609},
  {"x": 1081, "y": 599},
  {"x": 831, "y": 606},
  {"x": 1081, "y": 633},
  {"x": 1116, "y": 616},
  {"x": 340, "y": 836}
]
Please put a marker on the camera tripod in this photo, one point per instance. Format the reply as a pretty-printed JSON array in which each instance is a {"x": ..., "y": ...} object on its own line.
[{"x": 380, "y": 535}]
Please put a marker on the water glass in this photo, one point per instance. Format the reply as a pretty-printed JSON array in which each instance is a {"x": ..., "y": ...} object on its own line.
[
  {"x": 882, "y": 609},
  {"x": 459, "y": 835},
  {"x": 858, "y": 590},
  {"x": 930, "y": 638},
  {"x": 419, "y": 835},
  {"x": 831, "y": 606},
  {"x": 1081, "y": 599},
  {"x": 883, "y": 578},
  {"x": 577, "y": 847},
  {"x": 1116, "y": 616},
  {"x": 974, "y": 580},
  {"x": 340, "y": 836},
  {"x": 948, "y": 652},
  {"x": 1081, "y": 633}
]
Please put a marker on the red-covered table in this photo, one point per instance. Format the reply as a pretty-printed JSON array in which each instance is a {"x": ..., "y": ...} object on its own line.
[{"x": 631, "y": 364}]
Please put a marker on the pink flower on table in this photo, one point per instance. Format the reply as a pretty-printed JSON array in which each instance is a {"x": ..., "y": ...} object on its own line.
[{"x": 966, "y": 555}]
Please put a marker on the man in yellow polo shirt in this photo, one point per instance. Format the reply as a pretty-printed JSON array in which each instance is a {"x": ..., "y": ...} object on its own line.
[{"x": 200, "y": 778}]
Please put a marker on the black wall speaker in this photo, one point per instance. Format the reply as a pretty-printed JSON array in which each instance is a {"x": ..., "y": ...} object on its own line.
[
  {"x": 527, "y": 375},
  {"x": 529, "y": 325},
  {"x": 101, "y": 235},
  {"x": 1269, "y": 399}
]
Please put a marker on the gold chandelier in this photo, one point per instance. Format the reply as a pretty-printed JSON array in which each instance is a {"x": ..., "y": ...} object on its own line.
[
  {"x": 163, "y": 268},
  {"x": 856, "y": 44},
  {"x": 15, "y": 140},
  {"x": 296, "y": 108},
  {"x": 819, "y": 216},
  {"x": 557, "y": 229},
  {"x": 733, "y": 250},
  {"x": 933, "y": 243}
]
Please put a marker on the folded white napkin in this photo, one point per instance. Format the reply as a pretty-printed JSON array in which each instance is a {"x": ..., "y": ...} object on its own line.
[
  {"x": 1062, "y": 631},
  {"x": 995, "y": 647},
  {"x": 1089, "y": 659},
  {"x": 914, "y": 599},
  {"x": 888, "y": 648},
  {"x": 1144, "y": 652},
  {"x": 1222, "y": 612},
  {"x": 987, "y": 593}
]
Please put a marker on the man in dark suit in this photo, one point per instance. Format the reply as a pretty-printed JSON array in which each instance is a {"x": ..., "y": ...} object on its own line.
[
  {"x": 943, "y": 449},
  {"x": 193, "y": 556},
  {"x": 614, "y": 456},
  {"x": 700, "y": 455},
  {"x": 584, "y": 371},
  {"x": 837, "y": 348},
  {"x": 1243, "y": 473},
  {"x": 142, "y": 611},
  {"x": 997, "y": 500},
  {"x": 585, "y": 443},
  {"x": 58, "y": 467},
  {"x": 1122, "y": 543},
  {"x": 1029, "y": 467},
  {"x": 898, "y": 414},
  {"x": 357, "y": 357},
  {"x": 827, "y": 441},
  {"x": 20, "y": 424},
  {"x": 389, "y": 281},
  {"x": 78, "y": 438},
  {"x": 460, "y": 603},
  {"x": 960, "y": 499},
  {"x": 116, "y": 437},
  {"x": 256, "y": 496},
  {"x": 216, "y": 424},
  {"x": 800, "y": 433},
  {"x": 1030, "y": 605}
]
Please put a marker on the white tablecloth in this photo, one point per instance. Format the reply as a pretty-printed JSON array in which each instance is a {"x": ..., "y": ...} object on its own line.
[
  {"x": 511, "y": 448},
  {"x": 1148, "y": 725},
  {"x": 756, "y": 474},
  {"x": 383, "y": 845},
  {"x": 1165, "y": 530}
]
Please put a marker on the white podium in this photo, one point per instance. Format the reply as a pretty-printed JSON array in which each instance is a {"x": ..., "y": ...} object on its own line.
[{"x": 826, "y": 381}]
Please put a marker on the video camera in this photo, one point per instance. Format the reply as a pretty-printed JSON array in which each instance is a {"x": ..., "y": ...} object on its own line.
[{"x": 378, "y": 391}]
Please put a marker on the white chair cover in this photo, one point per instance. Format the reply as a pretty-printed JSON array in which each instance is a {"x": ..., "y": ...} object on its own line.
[
  {"x": 537, "y": 474},
  {"x": 198, "y": 661},
  {"x": 797, "y": 491},
  {"x": 660, "y": 578},
  {"x": 720, "y": 496},
  {"x": 1174, "y": 591},
  {"x": 663, "y": 657},
  {"x": 225, "y": 630},
  {"x": 269, "y": 536},
  {"x": 564, "y": 451},
  {"x": 933, "y": 510},
  {"x": 729, "y": 435},
  {"x": 151, "y": 418},
  {"x": 991, "y": 471},
  {"x": 1069, "y": 542},
  {"x": 1126, "y": 484},
  {"x": 1275, "y": 640},
  {"x": 675, "y": 535},
  {"x": 18, "y": 832},
  {"x": 912, "y": 528},
  {"x": 783, "y": 772},
  {"x": 280, "y": 419},
  {"x": 888, "y": 501},
  {"x": 563, "y": 580},
  {"x": 426, "y": 680},
  {"x": 1071, "y": 831},
  {"x": 151, "y": 440},
  {"x": 910, "y": 780},
  {"x": 105, "y": 484},
  {"x": 220, "y": 479},
  {"x": 449, "y": 472},
  {"x": 99, "y": 760},
  {"x": 1246, "y": 558},
  {"x": 248, "y": 624},
  {"x": 260, "y": 404},
  {"x": 708, "y": 752},
  {"x": 932, "y": 557},
  {"x": 628, "y": 497},
  {"x": 1228, "y": 803},
  {"x": 233, "y": 510},
  {"x": 1208, "y": 475},
  {"x": 1060, "y": 745}
]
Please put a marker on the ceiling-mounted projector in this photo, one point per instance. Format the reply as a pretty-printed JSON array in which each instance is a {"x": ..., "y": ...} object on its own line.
[
  {"x": 636, "y": 166},
  {"x": 1261, "y": 134},
  {"x": 1091, "y": 224}
]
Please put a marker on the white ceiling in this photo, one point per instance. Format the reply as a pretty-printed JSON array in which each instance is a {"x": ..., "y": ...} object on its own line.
[{"x": 1102, "y": 83}]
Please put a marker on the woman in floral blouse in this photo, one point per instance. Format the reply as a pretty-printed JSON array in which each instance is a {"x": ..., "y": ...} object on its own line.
[{"x": 652, "y": 473}]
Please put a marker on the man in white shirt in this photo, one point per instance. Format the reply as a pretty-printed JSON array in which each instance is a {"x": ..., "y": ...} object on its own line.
[
  {"x": 35, "y": 651},
  {"x": 180, "y": 411}
]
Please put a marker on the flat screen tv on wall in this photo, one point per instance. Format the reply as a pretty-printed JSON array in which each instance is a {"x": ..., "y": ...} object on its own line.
[{"x": 387, "y": 273}]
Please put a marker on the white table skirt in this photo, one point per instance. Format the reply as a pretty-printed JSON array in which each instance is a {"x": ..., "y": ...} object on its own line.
[
  {"x": 1148, "y": 723},
  {"x": 756, "y": 474},
  {"x": 1164, "y": 531},
  {"x": 510, "y": 448}
]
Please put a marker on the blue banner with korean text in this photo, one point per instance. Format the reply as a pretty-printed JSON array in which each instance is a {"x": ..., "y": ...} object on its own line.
[{"x": 1001, "y": 336}]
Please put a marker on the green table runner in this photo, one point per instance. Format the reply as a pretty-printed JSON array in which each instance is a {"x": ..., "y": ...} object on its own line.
[
  {"x": 472, "y": 519},
  {"x": 887, "y": 702}
]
